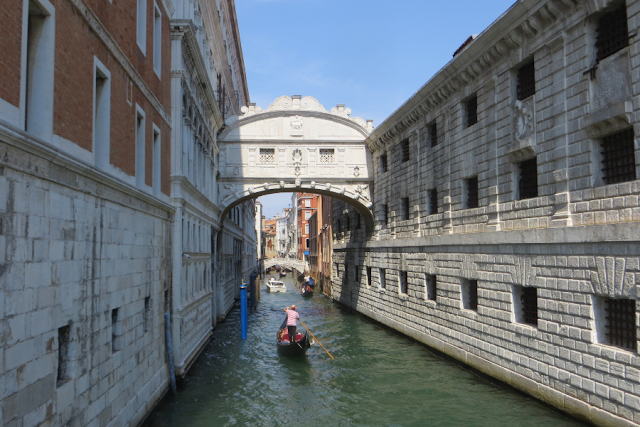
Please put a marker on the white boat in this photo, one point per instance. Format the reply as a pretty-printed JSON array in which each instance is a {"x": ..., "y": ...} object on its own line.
[{"x": 274, "y": 285}]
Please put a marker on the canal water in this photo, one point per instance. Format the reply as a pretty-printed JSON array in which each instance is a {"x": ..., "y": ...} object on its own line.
[{"x": 378, "y": 378}]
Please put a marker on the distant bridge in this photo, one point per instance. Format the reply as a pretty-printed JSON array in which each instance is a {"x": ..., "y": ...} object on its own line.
[{"x": 299, "y": 265}]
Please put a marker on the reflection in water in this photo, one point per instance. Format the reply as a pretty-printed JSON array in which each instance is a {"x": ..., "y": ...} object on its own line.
[{"x": 377, "y": 378}]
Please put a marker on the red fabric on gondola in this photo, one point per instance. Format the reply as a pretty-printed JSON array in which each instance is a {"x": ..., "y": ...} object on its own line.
[{"x": 285, "y": 337}]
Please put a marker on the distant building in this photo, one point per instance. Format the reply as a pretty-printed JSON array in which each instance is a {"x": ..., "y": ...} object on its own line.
[{"x": 307, "y": 204}]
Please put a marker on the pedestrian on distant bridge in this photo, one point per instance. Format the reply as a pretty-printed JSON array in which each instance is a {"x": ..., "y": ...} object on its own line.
[{"x": 292, "y": 315}]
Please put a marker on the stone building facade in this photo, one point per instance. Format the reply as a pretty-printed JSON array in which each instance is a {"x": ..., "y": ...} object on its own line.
[{"x": 506, "y": 204}]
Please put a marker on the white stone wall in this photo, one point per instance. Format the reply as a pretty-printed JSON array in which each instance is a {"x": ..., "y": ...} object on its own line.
[
  {"x": 74, "y": 245},
  {"x": 576, "y": 243}
]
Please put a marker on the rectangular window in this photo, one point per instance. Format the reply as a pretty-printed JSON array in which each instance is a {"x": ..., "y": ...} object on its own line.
[
  {"x": 267, "y": 155},
  {"x": 101, "y": 115},
  {"x": 307, "y": 243},
  {"x": 526, "y": 85},
  {"x": 612, "y": 33},
  {"x": 383, "y": 278},
  {"x": 348, "y": 223},
  {"x": 327, "y": 155},
  {"x": 141, "y": 27},
  {"x": 471, "y": 187},
  {"x": 339, "y": 227},
  {"x": 369, "y": 276},
  {"x": 383, "y": 163},
  {"x": 433, "y": 134},
  {"x": 116, "y": 331},
  {"x": 356, "y": 271},
  {"x": 528, "y": 179},
  {"x": 64, "y": 355},
  {"x": 433, "y": 201},
  {"x": 430, "y": 287},
  {"x": 405, "y": 208},
  {"x": 306, "y": 229},
  {"x": 38, "y": 72},
  {"x": 385, "y": 214},
  {"x": 471, "y": 111},
  {"x": 403, "y": 282},
  {"x": 147, "y": 314},
  {"x": 469, "y": 290},
  {"x": 616, "y": 322},
  {"x": 307, "y": 203},
  {"x": 525, "y": 301},
  {"x": 307, "y": 215},
  {"x": 157, "y": 157},
  {"x": 405, "y": 150},
  {"x": 140, "y": 148},
  {"x": 618, "y": 157},
  {"x": 157, "y": 39}
]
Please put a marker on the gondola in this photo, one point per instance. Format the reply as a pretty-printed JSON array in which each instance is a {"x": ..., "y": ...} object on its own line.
[
  {"x": 297, "y": 348},
  {"x": 306, "y": 291}
]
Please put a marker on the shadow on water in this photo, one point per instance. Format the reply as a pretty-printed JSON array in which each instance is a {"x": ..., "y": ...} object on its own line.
[{"x": 378, "y": 377}]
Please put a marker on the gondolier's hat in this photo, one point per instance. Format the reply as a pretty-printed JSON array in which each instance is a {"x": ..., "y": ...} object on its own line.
[{"x": 293, "y": 306}]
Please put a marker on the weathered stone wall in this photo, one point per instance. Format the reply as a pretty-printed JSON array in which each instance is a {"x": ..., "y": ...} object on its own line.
[
  {"x": 575, "y": 243},
  {"x": 74, "y": 246}
]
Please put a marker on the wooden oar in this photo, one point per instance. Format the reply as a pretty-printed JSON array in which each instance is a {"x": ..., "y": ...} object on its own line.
[{"x": 316, "y": 339}]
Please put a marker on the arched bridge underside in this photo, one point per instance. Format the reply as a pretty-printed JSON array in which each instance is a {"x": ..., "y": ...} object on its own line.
[
  {"x": 296, "y": 145},
  {"x": 299, "y": 265}
]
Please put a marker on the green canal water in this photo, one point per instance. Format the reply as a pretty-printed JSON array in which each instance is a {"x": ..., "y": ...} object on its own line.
[{"x": 378, "y": 378}]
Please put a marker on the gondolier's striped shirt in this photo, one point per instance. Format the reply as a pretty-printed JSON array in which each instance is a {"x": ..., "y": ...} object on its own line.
[{"x": 292, "y": 315}]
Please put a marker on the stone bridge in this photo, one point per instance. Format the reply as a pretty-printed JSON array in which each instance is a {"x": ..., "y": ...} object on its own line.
[
  {"x": 299, "y": 265},
  {"x": 296, "y": 145}
]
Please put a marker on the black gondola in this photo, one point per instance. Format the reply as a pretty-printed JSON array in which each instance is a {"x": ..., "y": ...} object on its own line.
[
  {"x": 296, "y": 348},
  {"x": 306, "y": 291}
]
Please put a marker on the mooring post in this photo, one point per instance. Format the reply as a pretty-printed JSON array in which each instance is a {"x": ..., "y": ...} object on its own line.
[{"x": 243, "y": 309}]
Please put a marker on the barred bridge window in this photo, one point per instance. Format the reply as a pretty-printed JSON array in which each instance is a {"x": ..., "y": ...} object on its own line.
[
  {"x": 529, "y": 300},
  {"x": 383, "y": 163},
  {"x": 618, "y": 157},
  {"x": 267, "y": 155},
  {"x": 433, "y": 201},
  {"x": 403, "y": 282},
  {"x": 405, "y": 208},
  {"x": 528, "y": 179},
  {"x": 469, "y": 290},
  {"x": 433, "y": 134},
  {"x": 369, "y": 276},
  {"x": 406, "y": 151},
  {"x": 471, "y": 110},
  {"x": 620, "y": 323},
  {"x": 327, "y": 155},
  {"x": 613, "y": 33},
  {"x": 472, "y": 192},
  {"x": 526, "y": 81},
  {"x": 431, "y": 281}
]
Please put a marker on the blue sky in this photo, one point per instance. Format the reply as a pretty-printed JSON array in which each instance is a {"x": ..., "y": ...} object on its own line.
[{"x": 370, "y": 55}]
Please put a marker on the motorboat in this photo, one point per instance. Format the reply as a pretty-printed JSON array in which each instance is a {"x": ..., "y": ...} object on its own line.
[{"x": 274, "y": 285}]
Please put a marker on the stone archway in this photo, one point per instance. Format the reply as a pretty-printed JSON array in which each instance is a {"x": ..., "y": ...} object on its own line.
[{"x": 296, "y": 145}]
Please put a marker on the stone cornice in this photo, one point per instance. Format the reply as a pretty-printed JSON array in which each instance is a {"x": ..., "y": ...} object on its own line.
[
  {"x": 99, "y": 29},
  {"x": 524, "y": 20},
  {"x": 195, "y": 194}
]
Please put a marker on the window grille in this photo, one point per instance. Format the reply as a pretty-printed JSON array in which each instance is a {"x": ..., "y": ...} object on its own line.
[
  {"x": 385, "y": 214},
  {"x": 405, "y": 208},
  {"x": 327, "y": 155},
  {"x": 406, "y": 152},
  {"x": 431, "y": 287},
  {"x": 383, "y": 163},
  {"x": 433, "y": 201},
  {"x": 383, "y": 278},
  {"x": 403, "y": 282},
  {"x": 526, "y": 81},
  {"x": 473, "y": 295},
  {"x": 433, "y": 134},
  {"x": 528, "y": 179},
  {"x": 618, "y": 157},
  {"x": 472, "y": 192},
  {"x": 267, "y": 155},
  {"x": 530, "y": 306},
  {"x": 369, "y": 276},
  {"x": 621, "y": 323},
  {"x": 471, "y": 109},
  {"x": 613, "y": 34}
]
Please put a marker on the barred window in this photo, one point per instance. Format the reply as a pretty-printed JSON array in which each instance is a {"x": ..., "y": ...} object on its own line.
[
  {"x": 383, "y": 278},
  {"x": 430, "y": 287},
  {"x": 618, "y": 157},
  {"x": 471, "y": 110},
  {"x": 369, "y": 276},
  {"x": 357, "y": 273},
  {"x": 469, "y": 291},
  {"x": 383, "y": 163},
  {"x": 529, "y": 301},
  {"x": 327, "y": 155},
  {"x": 528, "y": 179},
  {"x": 433, "y": 201},
  {"x": 406, "y": 151},
  {"x": 526, "y": 81},
  {"x": 433, "y": 134},
  {"x": 472, "y": 192},
  {"x": 612, "y": 33},
  {"x": 403, "y": 282},
  {"x": 267, "y": 155},
  {"x": 405, "y": 208},
  {"x": 348, "y": 223},
  {"x": 620, "y": 323},
  {"x": 385, "y": 214}
]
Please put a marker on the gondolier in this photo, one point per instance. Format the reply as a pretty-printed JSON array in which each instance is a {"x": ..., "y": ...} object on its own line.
[{"x": 292, "y": 316}]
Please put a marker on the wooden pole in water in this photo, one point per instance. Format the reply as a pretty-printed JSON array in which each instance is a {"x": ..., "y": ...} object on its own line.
[{"x": 316, "y": 339}]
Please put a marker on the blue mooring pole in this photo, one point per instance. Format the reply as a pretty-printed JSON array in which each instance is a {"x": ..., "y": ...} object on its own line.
[{"x": 243, "y": 309}]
